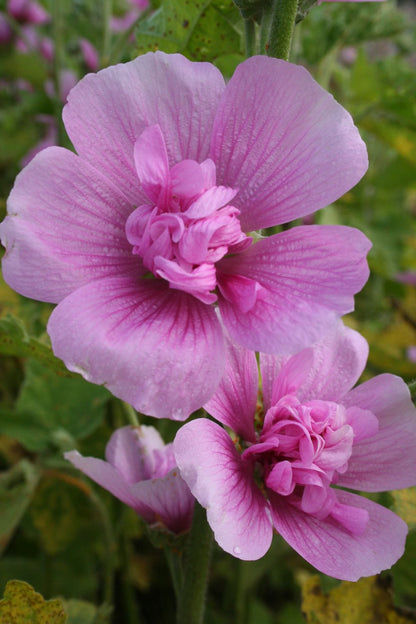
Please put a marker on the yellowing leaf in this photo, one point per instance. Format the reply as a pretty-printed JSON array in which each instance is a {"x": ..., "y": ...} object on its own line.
[
  {"x": 22, "y": 605},
  {"x": 405, "y": 505},
  {"x": 368, "y": 601}
]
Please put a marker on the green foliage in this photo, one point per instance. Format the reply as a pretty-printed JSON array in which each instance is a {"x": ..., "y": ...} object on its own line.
[
  {"x": 82, "y": 612},
  {"x": 17, "y": 487},
  {"x": 59, "y": 511},
  {"x": 53, "y": 410},
  {"x": 204, "y": 30},
  {"x": 21, "y": 604},
  {"x": 14, "y": 340}
]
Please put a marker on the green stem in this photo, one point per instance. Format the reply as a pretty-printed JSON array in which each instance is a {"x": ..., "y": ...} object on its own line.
[
  {"x": 107, "y": 10},
  {"x": 131, "y": 608},
  {"x": 174, "y": 561},
  {"x": 197, "y": 559},
  {"x": 250, "y": 36},
  {"x": 109, "y": 568},
  {"x": 131, "y": 414},
  {"x": 281, "y": 31}
]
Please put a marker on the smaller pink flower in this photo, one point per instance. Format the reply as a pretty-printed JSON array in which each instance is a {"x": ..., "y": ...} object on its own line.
[
  {"x": 6, "y": 33},
  {"x": 28, "y": 11},
  {"x": 140, "y": 470},
  {"x": 89, "y": 54},
  {"x": 283, "y": 468}
]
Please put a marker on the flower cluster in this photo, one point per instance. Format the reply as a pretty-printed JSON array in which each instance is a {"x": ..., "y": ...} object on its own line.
[{"x": 149, "y": 240}]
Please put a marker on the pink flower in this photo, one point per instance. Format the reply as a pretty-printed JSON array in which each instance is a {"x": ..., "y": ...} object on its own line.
[
  {"x": 146, "y": 231},
  {"x": 310, "y": 433},
  {"x": 140, "y": 471},
  {"x": 90, "y": 55},
  {"x": 28, "y": 11}
]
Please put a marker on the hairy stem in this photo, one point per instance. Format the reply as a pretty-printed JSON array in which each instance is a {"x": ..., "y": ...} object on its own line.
[
  {"x": 282, "y": 26},
  {"x": 191, "y": 605}
]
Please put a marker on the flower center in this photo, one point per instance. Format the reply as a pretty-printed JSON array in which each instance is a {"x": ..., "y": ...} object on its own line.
[
  {"x": 300, "y": 451},
  {"x": 188, "y": 224}
]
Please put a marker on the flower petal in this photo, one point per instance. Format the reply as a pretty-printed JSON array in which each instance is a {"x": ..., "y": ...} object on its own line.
[
  {"x": 308, "y": 276},
  {"x": 111, "y": 480},
  {"x": 386, "y": 460},
  {"x": 158, "y": 349},
  {"x": 224, "y": 485},
  {"x": 107, "y": 112},
  {"x": 336, "y": 551},
  {"x": 169, "y": 498},
  {"x": 284, "y": 142},
  {"x": 65, "y": 227},
  {"x": 234, "y": 402},
  {"x": 130, "y": 451}
]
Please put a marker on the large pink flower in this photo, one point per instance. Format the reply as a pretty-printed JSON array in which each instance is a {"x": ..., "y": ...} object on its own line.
[
  {"x": 311, "y": 433},
  {"x": 140, "y": 470},
  {"x": 143, "y": 233}
]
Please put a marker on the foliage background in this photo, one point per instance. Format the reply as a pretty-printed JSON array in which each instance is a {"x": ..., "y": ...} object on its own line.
[{"x": 61, "y": 533}]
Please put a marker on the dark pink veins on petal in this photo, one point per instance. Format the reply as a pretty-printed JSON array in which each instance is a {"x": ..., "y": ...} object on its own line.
[{"x": 188, "y": 224}]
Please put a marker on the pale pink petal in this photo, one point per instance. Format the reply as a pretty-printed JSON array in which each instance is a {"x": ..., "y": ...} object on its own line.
[
  {"x": 213, "y": 199},
  {"x": 151, "y": 162},
  {"x": 270, "y": 365},
  {"x": 111, "y": 480},
  {"x": 234, "y": 402},
  {"x": 187, "y": 179},
  {"x": 160, "y": 350},
  {"x": 107, "y": 112},
  {"x": 292, "y": 374},
  {"x": 225, "y": 486},
  {"x": 336, "y": 551},
  {"x": 308, "y": 276},
  {"x": 65, "y": 228},
  {"x": 169, "y": 498},
  {"x": 386, "y": 460},
  {"x": 284, "y": 142},
  {"x": 363, "y": 422},
  {"x": 130, "y": 451}
]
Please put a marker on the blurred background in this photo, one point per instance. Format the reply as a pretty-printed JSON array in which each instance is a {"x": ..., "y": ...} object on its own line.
[{"x": 61, "y": 533}]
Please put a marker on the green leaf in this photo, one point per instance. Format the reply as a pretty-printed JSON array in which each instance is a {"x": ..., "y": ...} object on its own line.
[
  {"x": 14, "y": 340},
  {"x": 53, "y": 410},
  {"x": 17, "y": 487},
  {"x": 82, "y": 612},
  {"x": 22, "y": 605},
  {"x": 60, "y": 511},
  {"x": 367, "y": 601},
  {"x": 61, "y": 404},
  {"x": 201, "y": 31}
]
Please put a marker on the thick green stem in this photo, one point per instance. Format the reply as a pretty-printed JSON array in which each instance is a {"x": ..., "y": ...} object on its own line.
[
  {"x": 174, "y": 561},
  {"x": 191, "y": 605},
  {"x": 250, "y": 36},
  {"x": 281, "y": 31}
]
